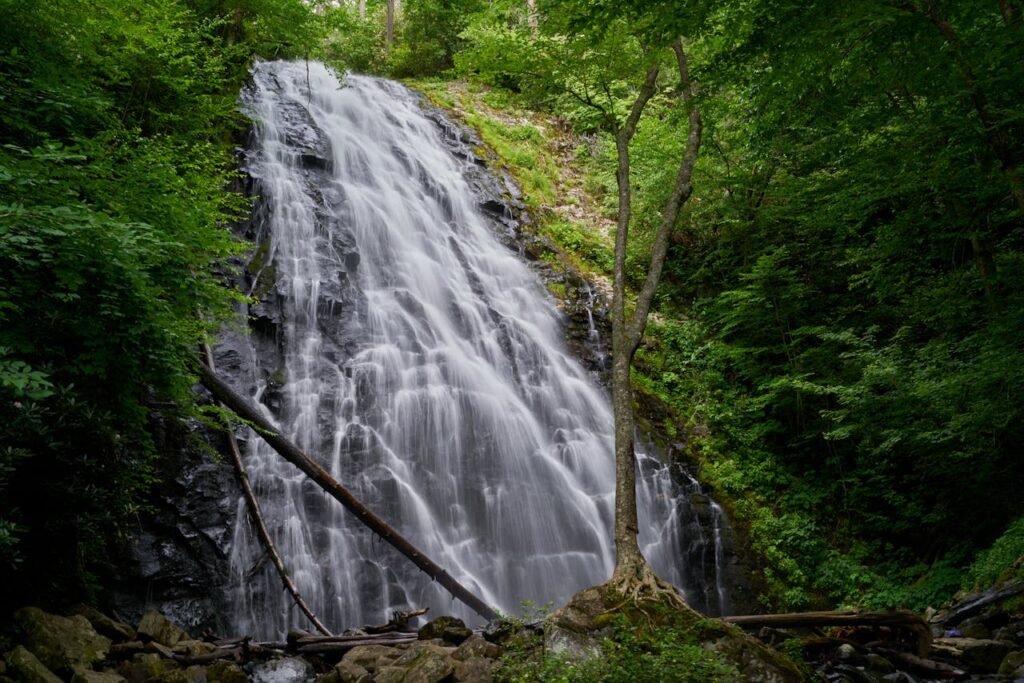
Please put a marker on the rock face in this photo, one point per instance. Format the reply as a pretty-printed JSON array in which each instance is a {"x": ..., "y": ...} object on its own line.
[{"x": 177, "y": 561}]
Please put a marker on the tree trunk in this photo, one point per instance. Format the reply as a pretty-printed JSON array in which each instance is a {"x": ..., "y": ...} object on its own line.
[
  {"x": 1009, "y": 13},
  {"x": 626, "y": 334},
  {"x": 531, "y": 16},
  {"x": 628, "y": 558},
  {"x": 290, "y": 452},
  {"x": 362, "y": 10},
  {"x": 389, "y": 33}
]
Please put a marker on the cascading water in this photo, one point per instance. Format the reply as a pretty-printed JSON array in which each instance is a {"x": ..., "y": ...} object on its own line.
[{"x": 423, "y": 363}]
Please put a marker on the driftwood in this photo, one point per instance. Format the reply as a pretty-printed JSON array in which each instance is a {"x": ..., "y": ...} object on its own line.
[
  {"x": 399, "y": 621},
  {"x": 261, "y": 525},
  {"x": 903, "y": 619},
  {"x": 290, "y": 452}
]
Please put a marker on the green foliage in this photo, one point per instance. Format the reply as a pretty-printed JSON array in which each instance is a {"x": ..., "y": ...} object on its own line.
[
  {"x": 1002, "y": 560},
  {"x": 430, "y": 35},
  {"x": 840, "y": 323},
  {"x": 630, "y": 654},
  {"x": 115, "y": 162}
]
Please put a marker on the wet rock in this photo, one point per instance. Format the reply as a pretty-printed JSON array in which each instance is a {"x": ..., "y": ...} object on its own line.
[
  {"x": 476, "y": 646},
  {"x": 975, "y": 628},
  {"x": 899, "y": 677},
  {"x": 499, "y": 631},
  {"x": 104, "y": 625},
  {"x": 89, "y": 676},
  {"x": 194, "y": 648},
  {"x": 285, "y": 670},
  {"x": 145, "y": 666},
  {"x": 852, "y": 674},
  {"x": 371, "y": 657},
  {"x": 846, "y": 651},
  {"x": 879, "y": 664},
  {"x": 61, "y": 643},
  {"x": 25, "y": 666},
  {"x": 979, "y": 655},
  {"x": 177, "y": 560},
  {"x": 157, "y": 627},
  {"x": 475, "y": 670},
  {"x": 571, "y": 645},
  {"x": 424, "y": 663},
  {"x": 126, "y": 650},
  {"x": 193, "y": 674},
  {"x": 1012, "y": 665},
  {"x": 346, "y": 672},
  {"x": 225, "y": 672},
  {"x": 448, "y": 629}
]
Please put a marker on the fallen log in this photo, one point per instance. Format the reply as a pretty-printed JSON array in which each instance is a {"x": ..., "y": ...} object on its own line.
[
  {"x": 362, "y": 638},
  {"x": 399, "y": 621},
  {"x": 261, "y": 526},
  {"x": 290, "y": 452},
  {"x": 976, "y": 605},
  {"x": 904, "y": 619},
  {"x": 341, "y": 647}
]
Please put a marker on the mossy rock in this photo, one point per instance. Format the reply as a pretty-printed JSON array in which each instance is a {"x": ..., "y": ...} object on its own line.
[
  {"x": 597, "y": 615},
  {"x": 449, "y": 629},
  {"x": 25, "y": 666},
  {"x": 62, "y": 644}
]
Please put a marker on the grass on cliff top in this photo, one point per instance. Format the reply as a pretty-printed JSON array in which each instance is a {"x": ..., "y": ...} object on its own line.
[{"x": 550, "y": 163}]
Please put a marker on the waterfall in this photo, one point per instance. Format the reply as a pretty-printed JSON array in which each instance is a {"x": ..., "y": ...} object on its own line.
[{"x": 423, "y": 363}]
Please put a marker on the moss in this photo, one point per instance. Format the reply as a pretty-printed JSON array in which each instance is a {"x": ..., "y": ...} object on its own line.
[
  {"x": 518, "y": 140},
  {"x": 557, "y": 289}
]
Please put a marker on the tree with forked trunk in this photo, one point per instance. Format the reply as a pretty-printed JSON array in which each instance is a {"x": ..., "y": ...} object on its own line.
[{"x": 633, "y": 576}]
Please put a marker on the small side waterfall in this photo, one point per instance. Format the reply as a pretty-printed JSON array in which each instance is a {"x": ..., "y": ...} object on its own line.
[{"x": 398, "y": 341}]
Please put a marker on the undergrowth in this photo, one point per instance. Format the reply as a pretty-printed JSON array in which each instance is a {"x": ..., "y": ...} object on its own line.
[{"x": 630, "y": 654}]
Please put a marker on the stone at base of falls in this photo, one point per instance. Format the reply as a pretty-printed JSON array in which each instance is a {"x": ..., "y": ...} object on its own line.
[
  {"x": 346, "y": 672},
  {"x": 1013, "y": 665},
  {"x": 155, "y": 626},
  {"x": 25, "y": 666},
  {"x": 62, "y": 644},
  {"x": 104, "y": 625},
  {"x": 423, "y": 662},
  {"x": 449, "y": 629},
  {"x": 979, "y": 655},
  {"x": 89, "y": 676},
  {"x": 285, "y": 670},
  {"x": 371, "y": 657},
  {"x": 588, "y": 617}
]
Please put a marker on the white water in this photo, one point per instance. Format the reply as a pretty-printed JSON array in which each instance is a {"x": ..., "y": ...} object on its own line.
[{"x": 450, "y": 404}]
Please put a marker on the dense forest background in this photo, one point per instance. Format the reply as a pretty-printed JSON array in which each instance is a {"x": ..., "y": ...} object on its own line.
[{"x": 838, "y": 338}]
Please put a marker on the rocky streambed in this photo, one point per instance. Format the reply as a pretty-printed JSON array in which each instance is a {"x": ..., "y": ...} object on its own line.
[
  {"x": 88, "y": 646},
  {"x": 979, "y": 637}
]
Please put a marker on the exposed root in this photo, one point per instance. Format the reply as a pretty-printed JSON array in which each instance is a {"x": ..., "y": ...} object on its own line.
[{"x": 639, "y": 587}]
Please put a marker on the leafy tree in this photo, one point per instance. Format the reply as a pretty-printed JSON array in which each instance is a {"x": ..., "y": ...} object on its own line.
[{"x": 116, "y": 159}]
